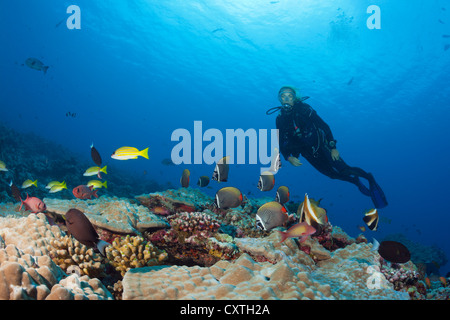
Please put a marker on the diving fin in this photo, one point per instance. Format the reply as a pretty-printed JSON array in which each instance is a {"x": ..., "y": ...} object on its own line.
[
  {"x": 362, "y": 188},
  {"x": 377, "y": 194}
]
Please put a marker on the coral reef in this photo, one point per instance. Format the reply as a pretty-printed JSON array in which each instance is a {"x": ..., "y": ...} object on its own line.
[
  {"x": 133, "y": 252},
  {"x": 118, "y": 215},
  {"x": 74, "y": 257},
  {"x": 176, "y": 245}
]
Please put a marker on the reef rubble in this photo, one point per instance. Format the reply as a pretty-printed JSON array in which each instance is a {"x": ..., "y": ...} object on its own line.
[{"x": 176, "y": 244}]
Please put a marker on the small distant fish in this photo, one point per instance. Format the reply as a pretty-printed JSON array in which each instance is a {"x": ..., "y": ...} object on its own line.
[
  {"x": 70, "y": 114},
  {"x": 58, "y": 187},
  {"x": 310, "y": 212},
  {"x": 392, "y": 251},
  {"x": 3, "y": 166},
  {"x": 92, "y": 171},
  {"x": 446, "y": 47},
  {"x": 36, "y": 64},
  {"x": 221, "y": 170},
  {"x": 95, "y": 155},
  {"x": 96, "y": 184},
  {"x": 362, "y": 228},
  {"x": 371, "y": 219},
  {"x": 82, "y": 229},
  {"x": 203, "y": 181},
  {"x": 266, "y": 181},
  {"x": 126, "y": 153},
  {"x": 185, "y": 177},
  {"x": 350, "y": 81},
  {"x": 84, "y": 192},
  {"x": 270, "y": 215},
  {"x": 302, "y": 230},
  {"x": 28, "y": 183},
  {"x": 446, "y": 36},
  {"x": 228, "y": 197},
  {"x": 428, "y": 283},
  {"x": 217, "y": 30},
  {"x": 33, "y": 204},
  {"x": 15, "y": 192},
  {"x": 167, "y": 162},
  {"x": 443, "y": 281},
  {"x": 441, "y": 22},
  {"x": 282, "y": 195},
  {"x": 160, "y": 210}
]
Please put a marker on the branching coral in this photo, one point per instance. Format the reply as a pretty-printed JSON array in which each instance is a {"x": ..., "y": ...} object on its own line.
[
  {"x": 68, "y": 253},
  {"x": 194, "y": 238},
  {"x": 133, "y": 252}
]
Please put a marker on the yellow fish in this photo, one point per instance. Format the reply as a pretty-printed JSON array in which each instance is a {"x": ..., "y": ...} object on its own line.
[
  {"x": 3, "y": 166},
  {"x": 53, "y": 183},
  {"x": 126, "y": 153},
  {"x": 92, "y": 171},
  {"x": 97, "y": 184},
  {"x": 58, "y": 187},
  {"x": 28, "y": 183}
]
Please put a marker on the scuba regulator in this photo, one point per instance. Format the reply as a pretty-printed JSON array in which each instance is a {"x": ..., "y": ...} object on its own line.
[{"x": 284, "y": 108}]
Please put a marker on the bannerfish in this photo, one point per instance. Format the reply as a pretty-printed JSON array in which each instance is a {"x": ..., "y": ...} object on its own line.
[
  {"x": 96, "y": 184},
  {"x": 270, "y": 215},
  {"x": 58, "y": 187},
  {"x": 266, "y": 181},
  {"x": 95, "y": 155},
  {"x": 228, "y": 197},
  {"x": 84, "y": 192},
  {"x": 282, "y": 195},
  {"x": 392, "y": 251},
  {"x": 126, "y": 153},
  {"x": 221, "y": 170},
  {"x": 302, "y": 230},
  {"x": 310, "y": 212},
  {"x": 28, "y": 183},
  {"x": 15, "y": 192},
  {"x": 36, "y": 64},
  {"x": 275, "y": 163},
  {"x": 371, "y": 219},
  {"x": 33, "y": 204},
  {"x": 92, "y": 171},
  {"x": 3, "y": 166},
  {"x": 82, "y": 229},
  {"x": 203, "y": 181},
  {"x": 185, "y": 177}
]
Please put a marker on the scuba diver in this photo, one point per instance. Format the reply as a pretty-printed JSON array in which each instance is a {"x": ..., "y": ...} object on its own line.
[{"x": 302, "y": 131}]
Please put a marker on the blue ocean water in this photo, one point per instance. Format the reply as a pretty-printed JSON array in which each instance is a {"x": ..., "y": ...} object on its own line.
[{"x": 136, "y": 71}]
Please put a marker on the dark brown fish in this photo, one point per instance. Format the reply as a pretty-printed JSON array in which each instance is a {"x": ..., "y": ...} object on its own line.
[
  {"x": 203, "y": 181},
  {"x": 394, "y": 251},
  {"x": 15, "y": 192},
  {"x": 82, "y": 229},
  {"x": 96, "y": 156},
  {"x": 185, "y": 178}
]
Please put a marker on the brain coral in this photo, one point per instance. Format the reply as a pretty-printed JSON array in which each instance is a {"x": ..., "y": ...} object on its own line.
[
  {"x": 242, "y": 279},
  {"x": 118, "y": 215}
]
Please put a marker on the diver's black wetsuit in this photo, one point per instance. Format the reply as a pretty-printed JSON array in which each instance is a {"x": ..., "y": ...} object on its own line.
[{"x": 302, "y": 131}]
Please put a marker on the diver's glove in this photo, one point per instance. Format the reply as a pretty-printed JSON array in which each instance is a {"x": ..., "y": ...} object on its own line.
[
  {"x": 294, "y": 161},
  {"x": 335, "y": 154}
]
